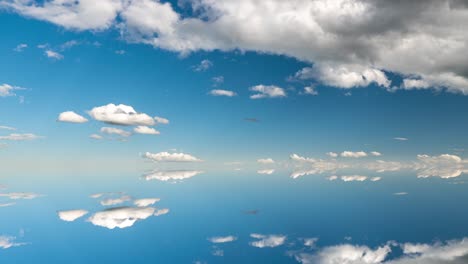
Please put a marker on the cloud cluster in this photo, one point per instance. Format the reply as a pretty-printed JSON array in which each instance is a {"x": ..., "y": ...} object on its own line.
[
  {"x": 116, "y": 217},
  {"x": 449, "y": 252},
  {"x": 349, "y": 43}
]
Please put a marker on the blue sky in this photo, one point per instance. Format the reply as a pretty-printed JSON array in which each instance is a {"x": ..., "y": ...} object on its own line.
[
  {"x": 308, "y": 110},
  {"x": 165, "y": 83}
]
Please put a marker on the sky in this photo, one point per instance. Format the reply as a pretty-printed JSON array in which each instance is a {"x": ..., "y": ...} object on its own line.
[{"x": 343, "y": 97}]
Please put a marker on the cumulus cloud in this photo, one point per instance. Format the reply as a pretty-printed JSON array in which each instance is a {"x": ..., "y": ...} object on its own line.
[
  {"x": 79, "y": 15},
  {"x": 71, "y": 117},
  {"x": 8, "y": 242},
  {"x": 171, "y": 175},
  {"x": 332, "y": 154},
  {"x": 266, "y": 161},
  {"x": 120, "y": 217},
  {"x": 351, "y": 154},
  {"x": 376, "y": 153},
  {"x": 171, "y": 157},
  {"x": 115, "y": 131},
  {"x": 71, "y": 215},
  {"x": 267, "y": 91},
  {"x": 145, "y": 130},
  {"x": 449, "y": 252},
  {"x": 267, "y": 240},
  {"x": 344, "y": 76},
  {"x": 222, "y": 239},
  {"x": 145, "y": 202},
  {"x": 8, "y": 90},
  {"x": 219, "y": 92},
  {"x": 120, "y": 115}
]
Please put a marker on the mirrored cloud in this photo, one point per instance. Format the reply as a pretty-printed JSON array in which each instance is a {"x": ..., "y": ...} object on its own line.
[
  {"x": 20, "y": 195},
  {"x": 443, "y": 166},
  {"x": 161, "y": 212},
  {"x": 115, "y": 131},
  {"x": 116, "y": 201},
  {"x": 171, "y": 175}
]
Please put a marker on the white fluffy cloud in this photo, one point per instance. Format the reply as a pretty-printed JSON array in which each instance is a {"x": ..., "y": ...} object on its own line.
[
  {"x": 145, "y": 130},
  {"x": 71, "y": 117},
  {"x": 376, "y": 153},
  {"x": 351, "y": 154},
  {"x": 204, "y": 64},
  {"x": 219, "y": 92},
  {"x": 71, "y": 215},
  {"x": 172, "y": 175},
  {"x": 267, "y": 240},
  {"x": 266, "y": 91},
  {"x": 115, "y": 131},
  {"x": 120, "y": 115},
  {"x": 20, "y": 47},
  {"x": 222, "y": 239},
  {"x": 171, "y": 157},
  {"x": 121, "y": 217},
  {"x": 332, "y": 154}
]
